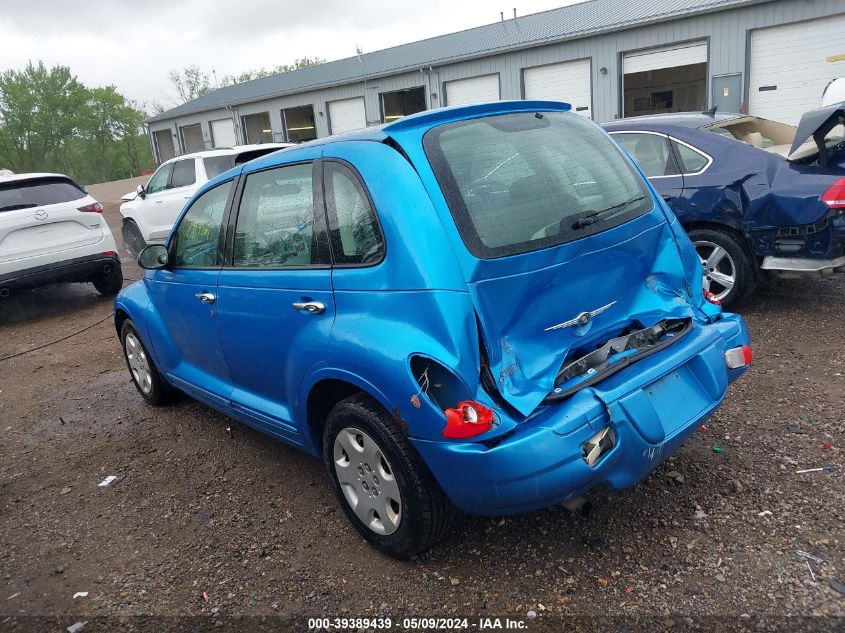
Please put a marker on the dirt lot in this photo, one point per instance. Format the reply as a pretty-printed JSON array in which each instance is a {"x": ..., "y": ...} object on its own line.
[{"x": 201, "y": 524}]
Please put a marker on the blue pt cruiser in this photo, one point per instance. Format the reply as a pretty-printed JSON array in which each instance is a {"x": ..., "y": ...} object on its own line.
[{"x": 483, "y": 308}]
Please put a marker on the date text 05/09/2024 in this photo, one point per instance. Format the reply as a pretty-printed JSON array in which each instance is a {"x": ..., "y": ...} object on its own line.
[{"x": 442, "y": 624}]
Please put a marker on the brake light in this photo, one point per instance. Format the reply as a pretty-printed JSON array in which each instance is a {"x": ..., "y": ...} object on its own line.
[
  {"x": 834, "y": 197},
  {"x": 711, "y": 298},
  {"x": 739, "y": 357},
  {"x": 468, "y": 419},
  {"x": 92, "y": 208},
  {"x": 110, "y": 253}
]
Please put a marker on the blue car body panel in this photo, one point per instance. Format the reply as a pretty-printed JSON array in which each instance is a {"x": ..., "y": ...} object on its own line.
[
  {"x": 755, "y": 192},
  {"x": 430, "y": 297}
]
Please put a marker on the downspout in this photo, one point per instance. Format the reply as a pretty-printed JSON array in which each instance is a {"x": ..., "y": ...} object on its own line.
[{"x": 237, "y": 125}]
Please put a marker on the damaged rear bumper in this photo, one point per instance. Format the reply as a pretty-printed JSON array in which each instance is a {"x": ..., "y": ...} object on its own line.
[{"x": 651, "y": 407}]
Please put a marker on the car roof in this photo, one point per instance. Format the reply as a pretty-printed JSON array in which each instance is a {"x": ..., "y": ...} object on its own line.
[
  {"x": 229, "y": 151},
  {"x": 678, "y": 119},
  {"x": 33, "y": 175}
]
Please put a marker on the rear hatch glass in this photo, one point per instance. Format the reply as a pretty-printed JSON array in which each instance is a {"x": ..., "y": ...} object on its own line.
[
  {"x": 523, "y": 181},
  {"x": 38, "y": 192}
]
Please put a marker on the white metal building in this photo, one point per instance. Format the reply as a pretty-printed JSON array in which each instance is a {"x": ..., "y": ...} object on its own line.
[{"x": 609, "y": 59}]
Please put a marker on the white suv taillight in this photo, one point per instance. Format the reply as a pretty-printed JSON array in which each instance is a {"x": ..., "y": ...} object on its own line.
[
  {"x": 92, "y": 208},
  {"x": 738, "y": 357}
]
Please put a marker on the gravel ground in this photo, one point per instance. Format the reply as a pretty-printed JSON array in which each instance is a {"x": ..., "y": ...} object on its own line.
[{"x": 199, "y": 523}]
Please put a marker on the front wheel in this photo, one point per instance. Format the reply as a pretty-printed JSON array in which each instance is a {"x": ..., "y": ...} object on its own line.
[
  {"x": 145, "y": 374},
  {"x": 727, "y": 268},
  {"x": 384, "y": 488}
]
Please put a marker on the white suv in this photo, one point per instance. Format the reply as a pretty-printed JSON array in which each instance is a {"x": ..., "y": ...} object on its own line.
[
  {"x": 51, "y": 230},
  {"x": 150, "y": 212}
]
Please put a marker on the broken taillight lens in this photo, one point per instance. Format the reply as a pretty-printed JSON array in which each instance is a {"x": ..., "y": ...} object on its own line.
[
  {"x": 96, "y": 207},
  {"x": 468, "y": 419},
  {"x": 738, "y": 357},
  {"x": 711, "y": 298},
  {"x": 834, "y": 197}
]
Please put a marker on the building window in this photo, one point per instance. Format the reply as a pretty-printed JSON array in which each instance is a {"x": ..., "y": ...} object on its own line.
[
  {"x": 299, "y": 124},
  {"x": 395, "y": 105},
  {"x": 257, "y": 128}
]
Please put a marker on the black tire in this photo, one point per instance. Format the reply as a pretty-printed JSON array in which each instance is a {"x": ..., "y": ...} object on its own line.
[
  {"x": 133, "y": 241},
  {"x": 110, "y": 283},
  {"x": 427, "y": 515},
  {"x": 159, "y": 392},
  {"x": 738, "y": 257}
]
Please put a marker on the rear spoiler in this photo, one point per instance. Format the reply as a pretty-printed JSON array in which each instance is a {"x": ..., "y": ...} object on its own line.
[{"x": 816, "y": 124}]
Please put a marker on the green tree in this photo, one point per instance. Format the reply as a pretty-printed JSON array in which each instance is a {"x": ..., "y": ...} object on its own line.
[
  {"x": 39, "y": 115},
  {"x": 249, "y": 75}
]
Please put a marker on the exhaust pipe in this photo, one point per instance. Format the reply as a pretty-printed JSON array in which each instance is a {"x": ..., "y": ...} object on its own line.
[
  {"x": 107, "y": 268},
  {"x": 4, "y": 292},
  {"x": 579, "y": 506}
]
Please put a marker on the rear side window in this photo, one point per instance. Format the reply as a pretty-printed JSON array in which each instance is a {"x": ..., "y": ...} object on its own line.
[
  {"x": 355, "y": 234},
  {"x": 184, "y": 173},
  {"x": 275, "y": 226},
  {"x": 216, "y": 165},
  {"x": 24, "y": 194},
  {"x": 650, "y": 151},
  {"x": 692, "y": 161},
  {"x": 519, "y": 182}
]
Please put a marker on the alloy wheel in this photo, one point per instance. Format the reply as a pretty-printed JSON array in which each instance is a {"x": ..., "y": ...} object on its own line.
[
  {"x": 367, "y": 481},
  {"x": 718, "y": 269},
  {"x": 139, "y": 365}
]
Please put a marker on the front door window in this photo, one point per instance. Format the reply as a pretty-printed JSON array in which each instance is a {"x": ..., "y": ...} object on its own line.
[{"x": 197, "y": 240}]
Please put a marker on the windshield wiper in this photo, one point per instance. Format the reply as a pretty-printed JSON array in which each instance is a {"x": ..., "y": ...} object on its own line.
[
  {"x": 598, "y": 216},
  {"x": 15, "y": 207}
]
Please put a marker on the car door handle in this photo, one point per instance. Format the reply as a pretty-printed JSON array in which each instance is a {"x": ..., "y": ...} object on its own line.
[
  {"x": 311, "y": 307},
  {"x": 205, "y": 297}
]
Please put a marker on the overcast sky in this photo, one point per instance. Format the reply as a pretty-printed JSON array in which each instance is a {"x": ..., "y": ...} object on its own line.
[{"x": 132, "y": 44}]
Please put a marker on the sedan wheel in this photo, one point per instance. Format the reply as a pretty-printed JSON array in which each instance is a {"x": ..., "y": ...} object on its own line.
[
  {"x": 139, "y": 366},
  {"x": 367, "y": 481},
  {"x": 718, "y": 269}
]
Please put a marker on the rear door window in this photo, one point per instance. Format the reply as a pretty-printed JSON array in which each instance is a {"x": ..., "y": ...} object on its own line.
[
  {"x": 24, "y": 194},
  {"x": 184, "y": 173},
  {"x": 275, "y": 225},
  {"x": 650, "y": 151},
  {"x": 355, "y": 234},
  {"x": 692, "y": 161},
  {"x": 523, "y": 181}
]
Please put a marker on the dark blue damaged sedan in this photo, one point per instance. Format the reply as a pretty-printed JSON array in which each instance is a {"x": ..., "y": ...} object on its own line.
[{"x": 758, "y": 198}]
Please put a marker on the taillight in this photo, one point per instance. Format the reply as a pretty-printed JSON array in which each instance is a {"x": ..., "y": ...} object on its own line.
[
  {"x": 468, "y": 419},
  {"x": 92, "y": 208},
  {"x": 110, "y": 253},
  {"x": 711, "y": 298},
  {"x": 738, "y": 357},
  {"x": 834, "y": 197}
]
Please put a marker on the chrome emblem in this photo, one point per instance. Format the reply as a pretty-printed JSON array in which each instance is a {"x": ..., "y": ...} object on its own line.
[
  {"x": 582, "y": 319},
  {"x": 41, "y": 214}
]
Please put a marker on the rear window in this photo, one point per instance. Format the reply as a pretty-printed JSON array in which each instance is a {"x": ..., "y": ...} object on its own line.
[
  {"x": 216, "y": 165},
  {"x": 23, "y": 194},
  {"x": 524, "y": 181}
]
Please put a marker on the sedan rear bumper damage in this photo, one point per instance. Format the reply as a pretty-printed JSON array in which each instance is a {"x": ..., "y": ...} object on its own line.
[
  {"x": 796, "y": 268},
  {"x": 650, "y": 408}
]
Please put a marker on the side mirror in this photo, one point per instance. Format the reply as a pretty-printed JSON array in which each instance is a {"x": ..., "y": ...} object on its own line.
[
  {"x": 153, "y": 257},
  {"x": 142, "y": 193}
]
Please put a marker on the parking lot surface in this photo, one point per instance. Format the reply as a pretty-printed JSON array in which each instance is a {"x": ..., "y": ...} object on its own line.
[{"x": 203, "y": 522}]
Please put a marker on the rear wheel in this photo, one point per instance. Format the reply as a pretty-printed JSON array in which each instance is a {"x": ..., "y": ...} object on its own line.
[
  {"x": 109, "y": 283},
  {"x": 145, "y": 375},
  {"x": 384, "y": 488},
  {"x": 727, "y": 268}
]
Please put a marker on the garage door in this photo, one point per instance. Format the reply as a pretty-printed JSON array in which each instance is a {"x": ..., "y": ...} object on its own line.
[
  {"x": 192, "y": 138},
  {"x": 792, "y": 64},
  {"x": 472, "y": 90},
  {"x": 666, "y": 79},
  {"x": 568, "y": 82},
  {"x": 347, "y": 115},
  {"x": 223, "y": 133}
]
